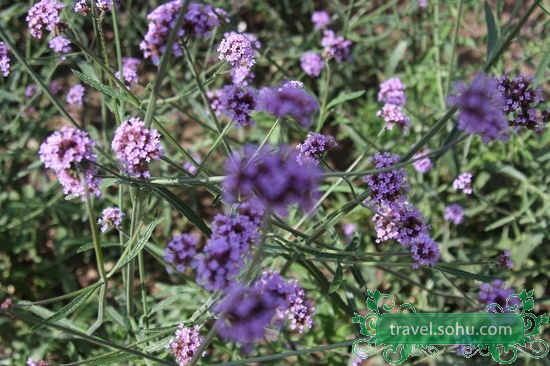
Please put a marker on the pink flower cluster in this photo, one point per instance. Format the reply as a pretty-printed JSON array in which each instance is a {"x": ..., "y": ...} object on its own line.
[
  {"x": 5, "y": 61},
  {"x": 76, "y": 95},
  {"x": 111, "y": 217},
  {"x": 130, "y": 67},
  {"x": 185, "y": 344},
  {"x": 44, "y": 15},
  {"x": 237, "y": 50}
]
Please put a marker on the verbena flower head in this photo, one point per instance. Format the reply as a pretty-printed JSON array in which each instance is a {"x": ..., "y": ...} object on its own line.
[
  {"x": 104, "y": 5},
  {"x": 30, "y": 362},
  {"x": 288, "y": 100},
  {"x": 82, "y": 7},
  {"x": 237, "y": 50},
  {"x": 481, "y": 109},
  {"x": 31, "y": 90},
  {"x": 497, "y": 293},
  {"x": 425, "y": 251},
  {"x": 60, "y": 44},
  {"x": 199, "y": 21},
  {"x": 76, "y": 95},
  {"x": 68, "y": 152},
  {"x": 214, "y": 98},
  {"x": 275, "y": 177},
  {"x": 392, "y": 91},
  {"x": 5, "y": 61},
  {"x": 240, "y": 227},
  {"x": 180, "y": 252},
  {"x": 242, "y": 75},
  {"x": 185, "y": 344},
  {"x": 393, "y": 116},
  {"x": 111, "y": 217},
  {"x": 337, "y": 46},
  {"x": 422, "y": 3},
  {"x": 238, "y": 103},
  {"x": 135, "y": 146},
  {"x": 6, "y": 304},
  {"x": 130, "y": 67},
  {"x": 400, "y": 221},
  {"x": 504, "y": 260},
  {"x": 44, "y": 15},
  {"x": 312, "y": 63},
  {"x": 521, "y": 98},
  {"x": 320, "y": 19},
  {"x": 313, "y": 148},
  {"x": 245, "y": 314},
  {"x": 454, "y": 213},
  {"x": 424, "y": 164},
  {"x": 464, "y": 183},
  {"x": 386, "y": 187},
  {"x": 56, "y": 86}
]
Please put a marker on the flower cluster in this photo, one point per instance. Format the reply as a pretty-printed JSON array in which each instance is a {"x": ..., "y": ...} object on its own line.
[
  {"x": 237, "y": 103},
  {"x": 30, "y": 362},
  {"x": 237, "y": 50},
  {"x": 130, "y": 67},
  {"x": 520, "y": 98},
  {"x": 463, "y": 182},
  {"x": 44, "y": 15},
  {"x": 275, "y": 177},
  {"x": 320, "y": 19},
  {"x": 185, "y": 344},
  {"x": 111, "y": 217},
  {"x": 312, "y": 63},
  {"x": 56, "y": 86},
  {"x": 214, "y": 98},
  {"x": 425, "y": 251},
  {"x": 242, "y": 75},
  {"x": 199, "y": 21},
  {"x": 288, "y": 100},
  {"x": 497, "y": 293},
  {"x": 69, "y": 152},
  {"x": 400, "y": 221},
  {"x": 393, "y": 116},
  {"x": 135, "y": 146},
  {"x": 454, "y": 213},
  {"x": 76, "y": 94},
  {"x": 313, "y": 148},
  {"x": 180, "y": 252},
  {"x": 504, "y": 260},
  {"x": 386, "y": 187},
  {"x": 5, "y": 61},
  {"x": 392, "y": 91},
  {"x": 422, "y": 163},
  {"x": 31, "y": 90},
  {"x": 337, "y": 46},
  {"x": 103, "y": 5},
  {"x": 481, "y": 109},
  {"x": 6, "y": 304},
  {"x": 60, "y": 44}
]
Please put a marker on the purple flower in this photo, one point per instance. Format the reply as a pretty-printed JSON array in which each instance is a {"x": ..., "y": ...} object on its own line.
[
  {"x": 61, "y": 45},
  {"x": 300, "y": 310},
  {"x": 313, "y": 148},
  {"x": 394, "y": 117},
  {"x": 481, "y": 109},
  {"x": 520, "y": 98},
  {"x": 30, "y": 362},
  {"x": 180, "y": 252},
  {"x": 454, "y": 213},
  {"x": 199, "y": 21},
  {"x": 185, "y": 344},
  {"x": 76, "y": 94},
  {"x": 392, "y": 91},
  {"x": 130, "y": 67},
  {"x": 242, "y": 75},
  {"x": 5, "y": 61},
  {"x": 424, "y": 164},
  {"x": 82, "y": 7},
  {"x": 70, "y": 152},
  {"x": 312, "y": 63},
  {"x": 504, "y": 260},
  {"x": 463, "y": 182},
  {"x": 349, "y": 229},
  {"x": 400, "y": 221},
  {"x": 288, "y": 100},
  {"x": 135, "y": 146},
  {"x": 337, "y": 46},
  {"x": 237, "y": 50},
  {"x": 422, "y": 3},
  {"x": 237, "y": 103},
  {"x": 56, "y": 86},
  {"x": 388, "y": 186},
  {"x": 244, "y": 314},
  {"x": 111, "y": 217},
  {"x": 214, "y": 98},
  {"x": 425, "y": 251},
  {"x": 275, "y": 177},
  {"x": 320, "y": 19},
  {"x": 31, "y": 90},
  {"x": 44, "y": 15},
  {"x": 103, "y": 5},
  {"x": 497, "y": 293}
]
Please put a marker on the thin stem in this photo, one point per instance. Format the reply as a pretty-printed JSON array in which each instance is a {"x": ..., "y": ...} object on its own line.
[
  {"x": 437, "y": 54},
  {"x": 453, "y": 48},
  {"x": 321, "y": 120}
]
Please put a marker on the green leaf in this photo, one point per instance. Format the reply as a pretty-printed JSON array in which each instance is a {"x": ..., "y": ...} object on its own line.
[
  {"x": 338, "y": 279},
  {"x": 344, "y": 98},
  {"x": 90, "y": 245},
  {"x": 183, "y": 208},
  {"x": 543, "y": 67},
  {"x": 4, "y": 95},
  {"x": 352, "y": 246},
  {"x": 396, "y": 56},
  {"x": 492, "y": 32},
  {"x": 164, "y": 303},
  {"x": 139, "y": 246},
  {"x": 500, "y": 222},
  {"x": 103, "y": 88},
  {"x": 468, "y": 275}
]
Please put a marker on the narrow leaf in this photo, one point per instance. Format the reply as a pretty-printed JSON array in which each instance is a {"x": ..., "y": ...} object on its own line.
[
  {"x": 344, "y": 98},
  {"x": 338, "y": 279},
  {"x": 543, "y": 67},
  {"x": 139, "y": 246},
  {"x": 90, "y": 245},
  {"x": 183, "y": 208},
  {"x": 396, "y": 56},
  {"x": 468, "y": 275},
  {"x": 492, "y": 32},
  {"x": 103, "y": 88},
  {"x": 352, "y": 246}
]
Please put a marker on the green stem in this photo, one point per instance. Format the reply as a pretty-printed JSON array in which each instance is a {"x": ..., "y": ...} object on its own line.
[
  {"x": 322, "y": 112},
  {"x": 453, "y": 48},
  {"x": 437, "y": 54}
]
